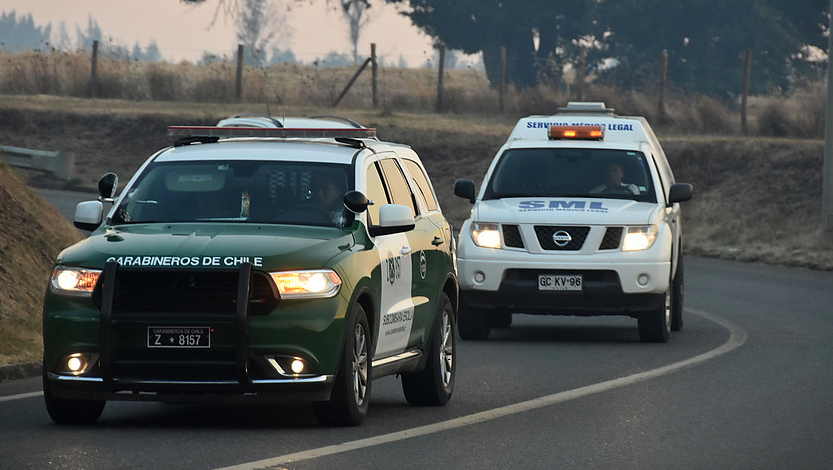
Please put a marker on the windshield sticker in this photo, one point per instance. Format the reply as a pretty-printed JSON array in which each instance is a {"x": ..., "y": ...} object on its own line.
[
  {"x": 562, "y": 206},
  {"x": 193, "y": 261}
]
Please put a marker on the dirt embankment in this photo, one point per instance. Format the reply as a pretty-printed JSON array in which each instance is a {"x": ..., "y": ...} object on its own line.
[{"x": 32, "y": 234}]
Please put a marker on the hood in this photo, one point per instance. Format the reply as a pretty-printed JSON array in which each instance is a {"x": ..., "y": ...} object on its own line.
[
  {"x": 584, "y": 211},
  {"x": 267, "y": 247}
]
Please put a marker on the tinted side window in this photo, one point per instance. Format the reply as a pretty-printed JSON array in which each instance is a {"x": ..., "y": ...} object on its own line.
[
  {"x": 422, "y": 184},
  {"x": 397, "y": 186},
  {"x": 376, "y": 193}
]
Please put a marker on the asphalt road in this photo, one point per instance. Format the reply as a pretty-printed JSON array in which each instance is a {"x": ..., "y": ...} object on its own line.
[
  {"x": 65, "y": 201},
  {"x": 747, "y": 383}
]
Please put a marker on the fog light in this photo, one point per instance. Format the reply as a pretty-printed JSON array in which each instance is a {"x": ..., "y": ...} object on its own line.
[
  {"x": 479, "y": 277},
  {"x": 297, "y": 366},
  {"x": 77, "y": 363},
  {"x": 643, "y": 279},
  {"x": 290, "y": 366}
]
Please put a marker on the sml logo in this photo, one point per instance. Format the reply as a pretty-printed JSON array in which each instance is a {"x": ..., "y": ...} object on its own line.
[{"x": 575, "y": 206}]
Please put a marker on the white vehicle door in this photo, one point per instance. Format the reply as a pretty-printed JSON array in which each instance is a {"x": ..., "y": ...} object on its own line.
[{"x": 396, "y": 308}]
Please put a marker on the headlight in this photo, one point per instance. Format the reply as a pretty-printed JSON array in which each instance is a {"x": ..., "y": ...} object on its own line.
[
  {"x": 320, "y": 283},
  {"x": 74, "y": 281},
  {"x": 640, "y": 238},
  {"x": 485, "y": 235}
]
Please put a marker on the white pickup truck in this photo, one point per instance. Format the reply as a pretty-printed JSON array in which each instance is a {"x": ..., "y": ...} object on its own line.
[{"x": 578, "y": 214}]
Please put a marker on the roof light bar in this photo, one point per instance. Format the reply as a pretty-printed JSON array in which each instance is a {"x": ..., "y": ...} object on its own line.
[
  {"x": 576, "y": 132},
  {"x": 283, "y": 132}
]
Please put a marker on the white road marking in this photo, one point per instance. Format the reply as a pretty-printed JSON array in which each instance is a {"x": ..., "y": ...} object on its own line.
[
  {"x": 21, "y": 396},
  {"x": 737, "y": 338}
]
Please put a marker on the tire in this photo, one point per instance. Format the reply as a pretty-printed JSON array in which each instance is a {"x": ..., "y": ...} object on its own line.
[
  {"x": 350, "y": 396},
  {"x": 434, "y": 384},
  {"x": 655, "y": 325},
  {"x": 472, "y": 324},
  {"x": 71, "y": 411},
  {"x": 678, "y": 286}
]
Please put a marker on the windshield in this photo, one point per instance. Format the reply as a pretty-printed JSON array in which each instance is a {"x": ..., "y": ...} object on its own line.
[
  {"x": 239, "y": 191},
  {"x": 568, "y": 172}
]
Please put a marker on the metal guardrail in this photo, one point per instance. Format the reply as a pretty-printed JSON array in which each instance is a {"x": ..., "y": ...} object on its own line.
[{"x": 56, "y": 162}]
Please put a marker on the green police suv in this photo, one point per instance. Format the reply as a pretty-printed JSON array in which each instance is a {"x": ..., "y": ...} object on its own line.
[{"x": 292, "y": 259}]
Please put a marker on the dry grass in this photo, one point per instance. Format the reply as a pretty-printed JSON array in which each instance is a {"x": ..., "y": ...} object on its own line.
[
  {"x": 31, "y": 235},
  {"x": 799, "y": 113},
  {"x": 756, "y": 199}
]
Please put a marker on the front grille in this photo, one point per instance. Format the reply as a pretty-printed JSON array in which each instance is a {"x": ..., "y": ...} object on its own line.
[
  {"x": 577, "y": 236},
  {"x": 611, "y": 239},
  {"x": 512, "y": 236},
  {"x": 186, "y": 292},
  {"x": 139, "y": 298}
]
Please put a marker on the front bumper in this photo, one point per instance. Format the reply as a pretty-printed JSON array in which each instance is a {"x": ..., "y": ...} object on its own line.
[
  {"x": 607, "y": 288},
  {"x": 250, "y": 352},
  {"x": 96, "y": 388}
]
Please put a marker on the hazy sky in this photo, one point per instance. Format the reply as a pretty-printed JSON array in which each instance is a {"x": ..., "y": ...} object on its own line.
[{"x": 185, "y": 32}]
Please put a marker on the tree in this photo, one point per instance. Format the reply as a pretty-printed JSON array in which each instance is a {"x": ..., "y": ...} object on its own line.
[
  {"x": 258, "y": 25},
  {"x": 152, "y": 53},
  {"x": 17, "y": 35},
  {"x": 355, "y": 12},
  {"x": 63, "y": 42},
  {"x": 705, "y": 48},
  {"x": 92, "y": 34},
  {"x": 487, "y": 25}
]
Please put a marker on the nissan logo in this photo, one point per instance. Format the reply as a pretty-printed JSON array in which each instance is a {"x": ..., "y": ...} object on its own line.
[{"x": 561, "y": 238}]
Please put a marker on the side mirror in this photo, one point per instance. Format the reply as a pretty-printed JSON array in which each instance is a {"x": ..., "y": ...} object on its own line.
[
  {"x": 680, "y": 192},
  {"x": 88, "y": 215},
  {"x": 394, "y": 218},
  {"x": 356, "y": 202},
  {"x": 107, "y": 186},
  {"x": 464, "y": 189}
]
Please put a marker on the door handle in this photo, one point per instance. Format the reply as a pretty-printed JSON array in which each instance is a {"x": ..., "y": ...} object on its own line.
[
  {"x": 406, "y": 250},
  {"x": 437, "y": 241}
]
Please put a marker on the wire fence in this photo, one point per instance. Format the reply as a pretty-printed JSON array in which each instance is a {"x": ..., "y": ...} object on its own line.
[{"x": 394, "y": 89}]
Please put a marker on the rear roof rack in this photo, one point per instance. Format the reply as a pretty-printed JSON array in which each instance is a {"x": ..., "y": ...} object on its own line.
[
  {"x": 280, "y": 132},
  {"x": 338, "y": 118},
  {"x": 577, "y": 107}
]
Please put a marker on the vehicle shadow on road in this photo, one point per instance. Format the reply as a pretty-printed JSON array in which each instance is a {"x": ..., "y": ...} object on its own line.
[
  {"x": 252, "y": 415},
  {"x": 568, "y": 330}
]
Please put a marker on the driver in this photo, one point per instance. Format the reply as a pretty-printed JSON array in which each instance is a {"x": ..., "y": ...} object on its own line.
[{"x": 613, "y": 181}]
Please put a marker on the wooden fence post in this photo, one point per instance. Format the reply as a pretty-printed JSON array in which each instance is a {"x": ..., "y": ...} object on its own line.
[
  {"x": 747, "y": 68},
  {"x": 374, "y": 73},
  {"x": 94, "y": 71},
  {"x": 238, "y": 87},
  {"x": 663, "y": 76},
  {"x": 827, "y": 165},
  {"x": 581, "y": 71},
  {"x": 502, "y": 89},
  {"x": 441, "y": 68}
]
